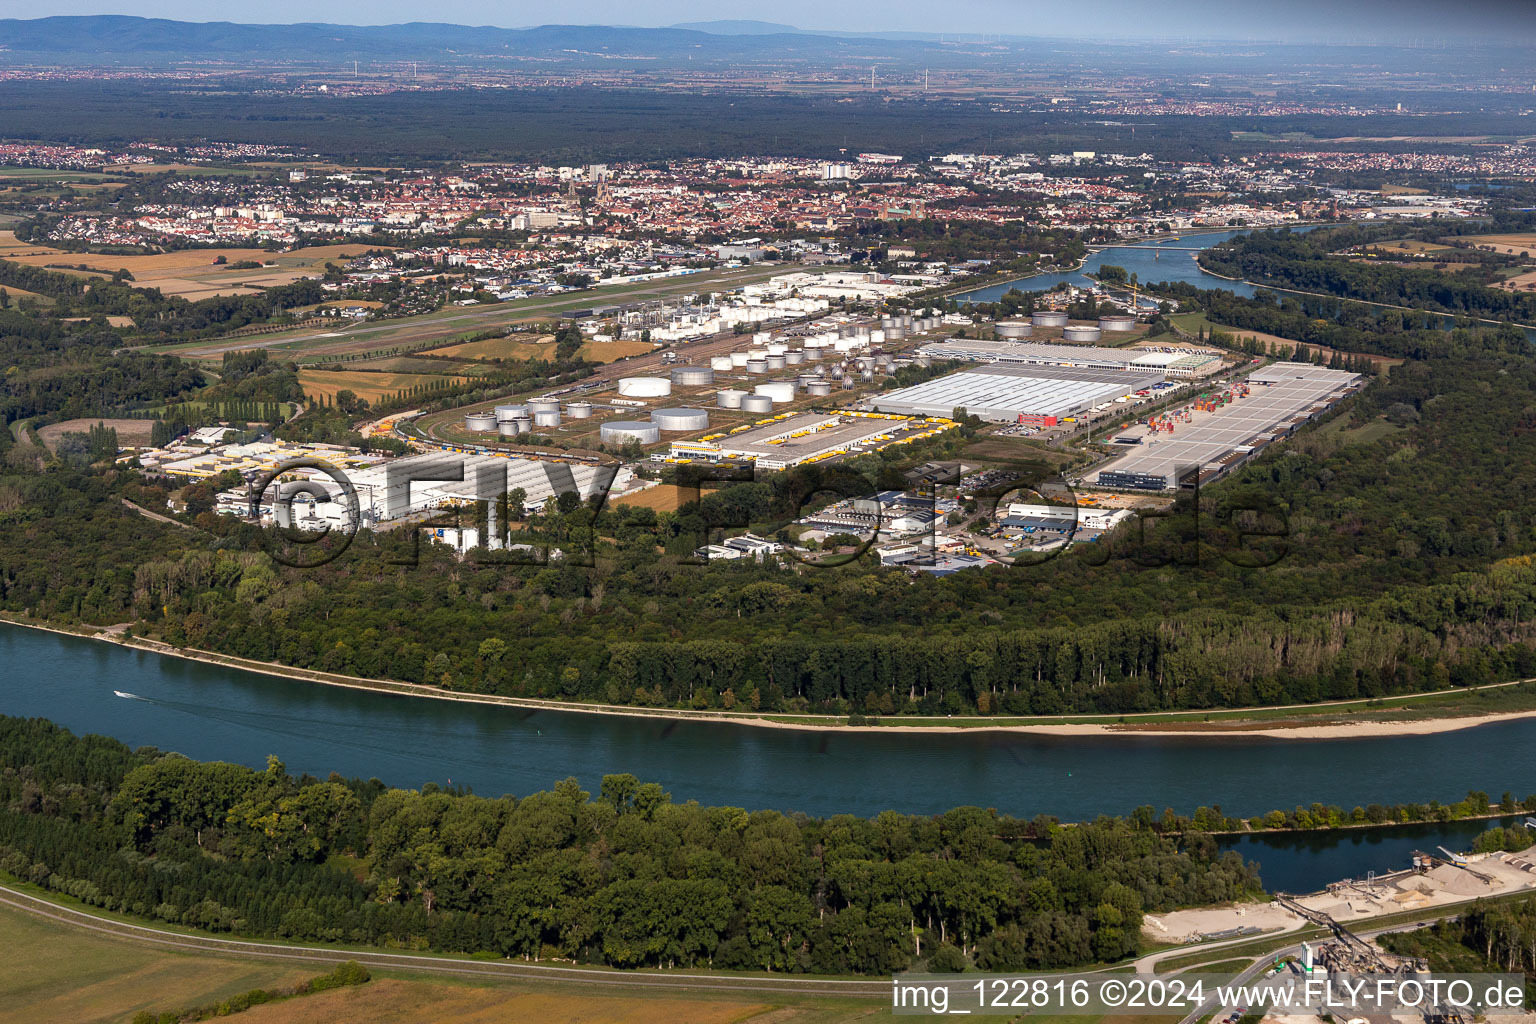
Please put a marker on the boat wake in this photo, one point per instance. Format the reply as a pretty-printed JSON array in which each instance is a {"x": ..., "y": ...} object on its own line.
[{"x": 132, "y": 696}]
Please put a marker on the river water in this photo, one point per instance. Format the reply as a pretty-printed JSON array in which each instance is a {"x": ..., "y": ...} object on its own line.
[
  {"x": 1165, "y": 260},
  {"x": 211, "y": 712}
]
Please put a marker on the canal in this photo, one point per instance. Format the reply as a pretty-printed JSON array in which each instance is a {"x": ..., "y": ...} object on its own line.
[{"x": 212, "y": 712}]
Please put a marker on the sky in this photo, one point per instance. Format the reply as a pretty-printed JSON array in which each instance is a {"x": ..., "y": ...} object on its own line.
[{"x": 1344, "y": 21}]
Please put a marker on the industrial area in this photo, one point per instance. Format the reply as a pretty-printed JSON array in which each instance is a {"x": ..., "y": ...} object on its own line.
[{"x": 839, "y": 373}]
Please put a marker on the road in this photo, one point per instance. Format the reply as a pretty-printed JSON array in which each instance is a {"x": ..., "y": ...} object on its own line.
[
  {"x": 458, "y": 966},
  {"x": 157, "y": 517}
]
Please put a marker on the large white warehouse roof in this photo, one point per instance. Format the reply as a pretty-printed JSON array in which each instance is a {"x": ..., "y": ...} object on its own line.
[{"x": 1002, "y": 393}]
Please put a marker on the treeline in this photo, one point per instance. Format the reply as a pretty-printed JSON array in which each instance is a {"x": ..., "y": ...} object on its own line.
[
  {"x": 1305, "y": 261},
  {"x": 66, "y": 371},
  {"x": 1342, "y": 325},
  {"x": 1322, "y": 817},
  {"x": 627, "y": 878},
  {"x": 1486, "y": 938}
]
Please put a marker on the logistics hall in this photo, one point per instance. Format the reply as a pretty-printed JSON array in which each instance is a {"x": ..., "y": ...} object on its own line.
[{"x": 1017, "y": 393}]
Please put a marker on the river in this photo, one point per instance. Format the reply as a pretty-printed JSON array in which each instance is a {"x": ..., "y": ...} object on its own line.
[
  {"x": 1153, "y": 262},
  {"x": 1166, "y": 259},
  {"x": 212, "y": 712}
]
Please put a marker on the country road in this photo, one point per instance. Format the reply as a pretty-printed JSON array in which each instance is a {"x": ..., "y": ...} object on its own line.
[{"x": 459, "y": 966}]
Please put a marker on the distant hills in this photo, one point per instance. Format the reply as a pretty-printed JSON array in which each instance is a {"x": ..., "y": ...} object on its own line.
[
  {"x": 738, "y": 28},
  {"x": 117, "y": 37}
]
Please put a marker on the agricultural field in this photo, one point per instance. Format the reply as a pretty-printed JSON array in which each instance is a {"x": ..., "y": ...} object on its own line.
[
  {"x": 192, "y": 273},
  {"x": 129, "y": 432},
  {"x": 48, "y": 174},
  {"x": 1522, "y": 245},
  {"x": 510, "y": 347},
  {"x": 415, "y": 364},
  {"x": 17, "y": 294},
  {"x": 370, "y": 386},
  {"x": 186, "y": 170},
  {"x": 1191, "y": 323},
  {"x": 11, "y": 247},
  {"x": 395, "y": 1001},
  {"x": 1408, "y": 247},
  {"x": 662, "y": 498},
  {"x": 58, "y": 973},
  {"x": 518, "y": 347},
  {"x": 114, "y": 321},
  {"x": 1524, "y": 281},
  {"x": 610, "y": 351}
]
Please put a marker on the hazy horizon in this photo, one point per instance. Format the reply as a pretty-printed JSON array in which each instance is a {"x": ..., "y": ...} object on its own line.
[{"x": 1421, "y": 22}]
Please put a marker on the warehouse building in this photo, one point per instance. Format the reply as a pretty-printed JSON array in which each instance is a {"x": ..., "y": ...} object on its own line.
[
  {"x": 1282, "y": 397},
  {"x": 795, "y": 439},
  {"x": 419, "y": 482},
  {"x": 1173, "y": 363},
  {"x": 1018, "y": 393}
]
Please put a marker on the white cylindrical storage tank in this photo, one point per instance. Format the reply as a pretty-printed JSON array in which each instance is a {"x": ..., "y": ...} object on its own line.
[
  {"x": 861, "y": 330},
  {"x": 1047, "y": 318},
  {"x": 757, "y": 365},
  {"x": 620, "y": 431},
  {"x": 721, "y": 363},
  {"x": 524, "y": 424},
  {"x": 546, "y": 418},
  {"x": 775, "y": 362},
  {"x": 579, "y": 410},
  {"x": 680, "y": 419},
  {"x": 481, "y": 422},
  {"x": 761, "y": 337},
  {"x": 729, "y": 398},
  {"x": 757, "y": 403},
  {"x": 511, "y": 412},
  {"x": 906, "y": 321},
  {"x": 806, "y": 378},
  {"x": 1117, "y": 323},
  {"x": 739, "y": 358},
  {"x": 1077, "y": 333},
  {"x": 693, "y": 376},
  {"x": 778, "y": 348},
  {"x": 1012, "y": 330},
  {"x": 818, "y": 389},
  {"x": 538, "y": 405},
  {"x": 894, "y": 333},
  {"x": 509, "y": 428},
  {"x": 794, "y": 357},
  {"x": 778, "y": 390},
  {"x": 644, "y": 387}
]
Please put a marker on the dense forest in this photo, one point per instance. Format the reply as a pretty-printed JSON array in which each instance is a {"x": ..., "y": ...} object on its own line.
[
  {"x": 67, "y": 370},
  {"x": 627, "y": 878},
  {"x": 584, "y": 124},
  {"x": 1306, "y": 261}
]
